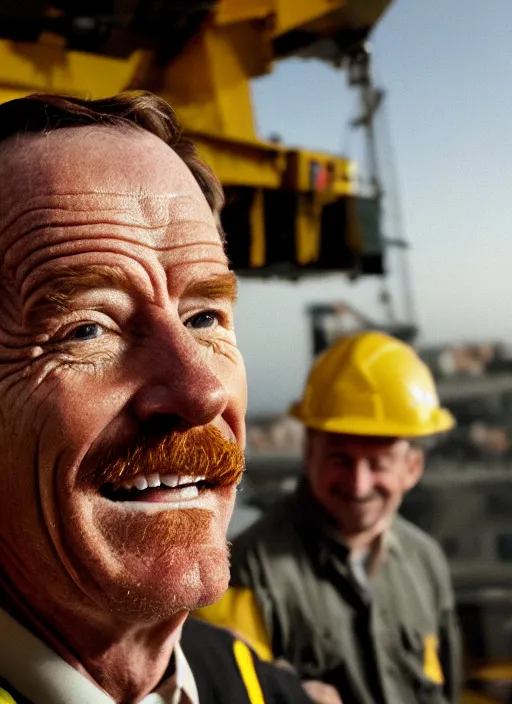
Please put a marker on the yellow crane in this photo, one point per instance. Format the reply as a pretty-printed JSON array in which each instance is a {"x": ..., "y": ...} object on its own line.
[{"x": 289, "y": 211}]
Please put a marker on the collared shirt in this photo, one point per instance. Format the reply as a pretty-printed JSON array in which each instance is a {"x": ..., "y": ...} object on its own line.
[
  {"x": 361, "y": 566},
  {"x": 43, "y": 677}
]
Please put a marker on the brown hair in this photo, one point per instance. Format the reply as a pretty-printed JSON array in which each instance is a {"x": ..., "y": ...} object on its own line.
[{"x": 45, "y": 113}]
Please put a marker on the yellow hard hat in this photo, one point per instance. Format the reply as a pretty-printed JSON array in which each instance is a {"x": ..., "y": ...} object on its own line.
[{"x": 372, "y": 384}]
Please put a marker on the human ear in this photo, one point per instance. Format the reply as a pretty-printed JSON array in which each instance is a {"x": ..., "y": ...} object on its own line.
[{"x": 415, "y": 466}]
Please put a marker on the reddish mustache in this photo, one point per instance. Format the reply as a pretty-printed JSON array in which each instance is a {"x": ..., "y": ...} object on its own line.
[{"x": 198, "y": 452}]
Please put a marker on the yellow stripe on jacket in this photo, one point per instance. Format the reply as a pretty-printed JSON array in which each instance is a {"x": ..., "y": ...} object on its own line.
[
  {"x": 245, "y": 664},
  {"x": 431, "y": 664},
  {"x": 239, "y": 612}
]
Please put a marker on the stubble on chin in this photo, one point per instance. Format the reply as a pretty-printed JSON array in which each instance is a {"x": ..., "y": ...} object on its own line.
[{"x": 178, "y": 561}]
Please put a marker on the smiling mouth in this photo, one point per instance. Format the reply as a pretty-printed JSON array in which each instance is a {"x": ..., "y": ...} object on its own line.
[{"x": 157, "y": 488}]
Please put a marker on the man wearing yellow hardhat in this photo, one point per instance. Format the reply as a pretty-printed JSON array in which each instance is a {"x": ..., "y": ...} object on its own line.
[{"x": 356, "y": 599}]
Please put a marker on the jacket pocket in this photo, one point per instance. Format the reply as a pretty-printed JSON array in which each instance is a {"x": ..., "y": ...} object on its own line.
[{"x": 421, "y": 665}]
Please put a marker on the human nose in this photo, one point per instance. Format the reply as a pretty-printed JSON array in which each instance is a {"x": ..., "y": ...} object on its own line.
[
  {"x": 178, "y": 380},
  {"x": 361, "y": 478}
]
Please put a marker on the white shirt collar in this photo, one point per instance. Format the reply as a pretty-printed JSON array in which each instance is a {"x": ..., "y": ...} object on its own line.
[{"x": 40, "y": 675}]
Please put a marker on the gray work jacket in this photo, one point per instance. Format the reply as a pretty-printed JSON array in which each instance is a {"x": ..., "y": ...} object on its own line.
[{"x": 395, "y": 643}]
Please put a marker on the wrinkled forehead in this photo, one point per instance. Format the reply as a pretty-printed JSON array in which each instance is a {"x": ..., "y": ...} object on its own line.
[{"x": 91, "y": 168}]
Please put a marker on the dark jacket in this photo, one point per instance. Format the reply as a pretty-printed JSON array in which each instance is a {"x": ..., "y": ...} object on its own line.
[{"x": 209, "y": 652}]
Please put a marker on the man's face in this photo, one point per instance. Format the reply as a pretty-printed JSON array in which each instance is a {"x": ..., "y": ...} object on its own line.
[
  {"x": 360, "y": 480},
  {"x": 116, "y": 336}
]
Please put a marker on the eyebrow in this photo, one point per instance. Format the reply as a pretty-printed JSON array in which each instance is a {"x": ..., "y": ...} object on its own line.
[
  {"x": 57, "y": 293},
  {"x": 221, "y": 286}
]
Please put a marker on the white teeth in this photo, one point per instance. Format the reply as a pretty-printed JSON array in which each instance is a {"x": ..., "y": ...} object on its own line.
[
  {"x": 186, "y": 480},
  {"x": 141, "y": 482},
  {"x": 153, "y": 480},
  {"x": 189, "y": 492}
]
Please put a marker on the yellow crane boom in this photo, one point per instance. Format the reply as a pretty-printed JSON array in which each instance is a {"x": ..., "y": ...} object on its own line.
[{"x": 287, "y": 209}]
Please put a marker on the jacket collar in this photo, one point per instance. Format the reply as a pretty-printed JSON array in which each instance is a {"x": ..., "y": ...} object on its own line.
[{"x": 318, "y": 529}]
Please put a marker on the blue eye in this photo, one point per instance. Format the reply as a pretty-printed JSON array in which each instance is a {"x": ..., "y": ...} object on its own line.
[
  {"x": 89, "y": 331},
  {"x": 203, "y": 320}
]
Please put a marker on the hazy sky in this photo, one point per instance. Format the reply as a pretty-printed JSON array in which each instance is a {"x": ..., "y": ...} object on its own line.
[{"x": 447, "y": 68}]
